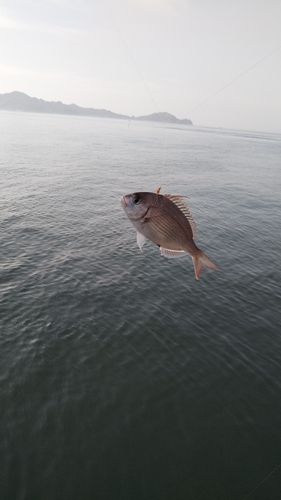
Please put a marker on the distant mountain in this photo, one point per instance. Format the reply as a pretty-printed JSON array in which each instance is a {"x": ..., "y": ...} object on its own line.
[
  {"x": 18, "y": 101},
  {"x": 164, "y": 118}
]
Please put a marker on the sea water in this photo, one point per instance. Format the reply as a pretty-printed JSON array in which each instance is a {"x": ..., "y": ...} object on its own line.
[{"x": 121, "y": 376}]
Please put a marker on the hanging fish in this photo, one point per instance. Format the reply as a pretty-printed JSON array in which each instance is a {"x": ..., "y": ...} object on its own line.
[{"x": 167, "y": 221}]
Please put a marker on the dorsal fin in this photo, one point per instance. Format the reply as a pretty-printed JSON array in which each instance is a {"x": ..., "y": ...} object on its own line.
[{"x": 178, "y": 201}]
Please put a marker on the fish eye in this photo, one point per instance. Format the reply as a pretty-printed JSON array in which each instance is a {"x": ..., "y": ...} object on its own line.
[{"x": 136, "y": 199}]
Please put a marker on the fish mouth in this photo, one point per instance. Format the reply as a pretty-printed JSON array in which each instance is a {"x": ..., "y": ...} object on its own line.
[{"x": 123, "y": 201}]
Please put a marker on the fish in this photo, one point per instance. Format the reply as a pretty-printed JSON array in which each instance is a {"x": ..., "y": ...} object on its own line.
[{"x": 167, "y": 222}]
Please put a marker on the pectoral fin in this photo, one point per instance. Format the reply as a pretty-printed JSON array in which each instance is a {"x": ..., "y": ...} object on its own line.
[{"x": 141, "y": 239}]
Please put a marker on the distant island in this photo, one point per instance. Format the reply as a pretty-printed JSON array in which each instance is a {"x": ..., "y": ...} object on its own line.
[{"x": 18, "y": 101}]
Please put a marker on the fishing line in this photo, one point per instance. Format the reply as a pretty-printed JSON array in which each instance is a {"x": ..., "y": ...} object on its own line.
[
  {"x": 131, "y": 55},
  {"x": 232, "y": 81},
  {"x": 164, "y": 157},
  {"x": 143, "y": 81},
  {"x": 244, "y": 498}
]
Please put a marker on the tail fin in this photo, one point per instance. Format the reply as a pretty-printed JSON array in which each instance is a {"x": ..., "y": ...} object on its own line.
[{"x": 201, "y": 260}]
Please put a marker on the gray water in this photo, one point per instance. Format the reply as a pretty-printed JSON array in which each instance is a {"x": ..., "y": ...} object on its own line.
[{"x": 121, "y": 376}]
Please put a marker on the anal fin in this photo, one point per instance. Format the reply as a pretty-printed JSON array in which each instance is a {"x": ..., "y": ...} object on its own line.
[{"x": 172, "y": 254}]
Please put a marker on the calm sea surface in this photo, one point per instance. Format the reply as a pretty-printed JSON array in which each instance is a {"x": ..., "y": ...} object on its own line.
[{"x": 121, "y": 376}]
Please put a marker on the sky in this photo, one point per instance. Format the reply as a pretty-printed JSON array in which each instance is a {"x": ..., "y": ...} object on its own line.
[{"x": 138, "y": 57}]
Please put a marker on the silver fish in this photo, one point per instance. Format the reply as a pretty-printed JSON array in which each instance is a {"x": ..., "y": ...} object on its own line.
[{"x": 167, "y": 221}]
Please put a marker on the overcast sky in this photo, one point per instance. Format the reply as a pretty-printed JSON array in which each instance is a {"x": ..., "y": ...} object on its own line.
[{"x": 140, "y": 56}]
